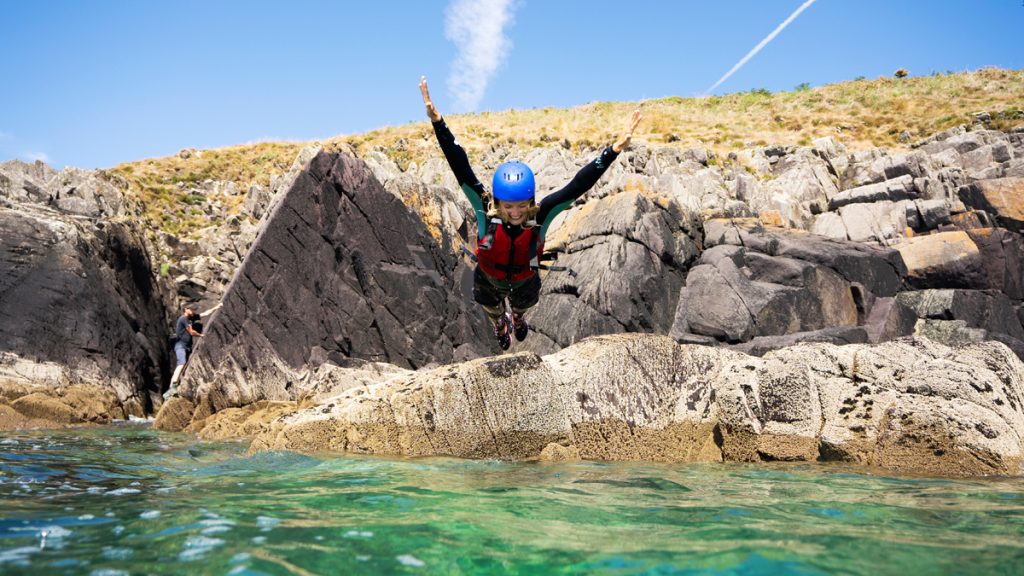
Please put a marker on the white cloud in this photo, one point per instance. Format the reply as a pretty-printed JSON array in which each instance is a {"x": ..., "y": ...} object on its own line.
[
  {"x": 761, "y": 45},
  {"x": 33, "y": 156},
  {"x": 477, "y": 27}
]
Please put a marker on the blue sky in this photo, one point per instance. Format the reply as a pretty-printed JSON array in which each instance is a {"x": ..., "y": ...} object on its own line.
[{"x": 95, "y": 83}]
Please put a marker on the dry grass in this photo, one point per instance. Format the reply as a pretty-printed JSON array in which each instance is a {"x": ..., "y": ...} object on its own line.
[
  {"x": 860, "y": 114},
  {"x": 162, "y": 185}
]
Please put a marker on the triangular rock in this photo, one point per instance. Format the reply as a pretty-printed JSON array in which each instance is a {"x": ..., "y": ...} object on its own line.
[{"x": 340, "y": 270}]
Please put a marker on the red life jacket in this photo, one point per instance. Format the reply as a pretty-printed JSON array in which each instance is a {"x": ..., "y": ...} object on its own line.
[{"x": 505, "y": 259}]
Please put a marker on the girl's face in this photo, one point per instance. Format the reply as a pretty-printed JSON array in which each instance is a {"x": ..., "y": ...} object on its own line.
[{"x": 514, "y": 212}]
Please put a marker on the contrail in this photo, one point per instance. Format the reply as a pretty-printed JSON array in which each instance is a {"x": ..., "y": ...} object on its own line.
[
  {"x": 477, "y": 27},
  {"x": 761, "y": 44}
]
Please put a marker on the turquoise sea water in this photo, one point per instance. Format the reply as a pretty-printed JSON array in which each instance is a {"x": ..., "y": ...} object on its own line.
[{"x": 130, "y": 500}]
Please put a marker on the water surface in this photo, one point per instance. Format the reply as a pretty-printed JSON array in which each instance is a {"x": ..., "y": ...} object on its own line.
[{"x": 130, "y": 500}]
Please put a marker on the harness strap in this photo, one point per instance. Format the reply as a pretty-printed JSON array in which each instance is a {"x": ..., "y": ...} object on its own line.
[{"x": 534, "y": 266}]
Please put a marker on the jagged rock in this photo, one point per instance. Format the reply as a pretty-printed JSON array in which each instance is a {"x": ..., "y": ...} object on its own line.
[
  {"x": 881, "y": 222},
  {"x": 938, "y": 138},
  {"x": 880, "y": 270},
  {"x": 752, "y": 282},
  {"x": 837, "y": 335},
  {"x": 630, "y": 254},
  {"x": 74, "y": 191},
  {"x": 901, "y": 188},
  {"x": 943, "y": 259},
  {"x": 444, "y": 211},
  {"x": 340, "y": 269},
  {"x": 925, "y": 215},
  {"x": 830, "y": 225},
  {"x": 981, "y": 162},
  {"x": 949, "y": 332},
  {"x": 888, "y": 319},
  {"x": 175, "y": 414},
  {"x": 943, "y": 185},
  {"x": 834, "y": 154},
  {"x": 1015, "y": 168},
  {"x": 34, "y": 406},
  {"x": 80, "y": 302},
  {"x": 1002, "y": 258},
  {"x": 244, "y": 422},
  {"x": 781, "y": 296},
  {"x": 1002, "y": 197},
  {"x": 876, "y": 166},
  {"x": 959, "y": 140},
  {"x": 913, "y": 406},
  {"x": 801, "y": 188},
  {"x": 331, "y": 380},
  {"x": 985, "y": 309},
  {"x": 553, "y": 168},
  {"x": 256, "y": 201}
]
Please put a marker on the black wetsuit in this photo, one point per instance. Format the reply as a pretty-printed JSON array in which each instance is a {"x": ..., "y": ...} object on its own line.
[{"x": 488, "y": 290}]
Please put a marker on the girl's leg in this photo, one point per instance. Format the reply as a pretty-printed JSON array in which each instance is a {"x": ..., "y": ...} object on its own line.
[
  {"x": 522, "y": 299},
  {"x": 492, "y": 300}
]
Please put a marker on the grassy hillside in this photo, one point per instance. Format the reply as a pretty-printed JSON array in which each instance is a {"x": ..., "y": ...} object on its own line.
[{"x": 887, "y": 112}]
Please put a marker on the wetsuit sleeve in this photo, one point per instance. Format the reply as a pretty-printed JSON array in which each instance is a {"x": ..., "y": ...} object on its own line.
[
  {"x": 584, "y": 180},
  {"x": 459, "y": 163}
]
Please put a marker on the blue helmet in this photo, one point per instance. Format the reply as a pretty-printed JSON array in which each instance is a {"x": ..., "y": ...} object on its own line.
[{"x": 513, "y": 182}]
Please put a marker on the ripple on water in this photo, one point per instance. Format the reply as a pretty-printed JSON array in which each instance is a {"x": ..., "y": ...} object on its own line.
[
  {"x": 17, "y": 556},
  {"x": 373, "y": 515},
  {"x": 117, "y": 553},
  {"x": 109, "y": 572},
  {"x": 267, "y": 523},
  {"x": 410, "y": 560},
  {"x": 123, "y": 491},
  {"x": 198, "y": 546}
]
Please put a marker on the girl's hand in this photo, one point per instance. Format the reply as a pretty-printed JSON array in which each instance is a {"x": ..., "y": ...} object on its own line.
[
  {"x": 626, "y": 138},
  {"x": 432, "y": 112}
]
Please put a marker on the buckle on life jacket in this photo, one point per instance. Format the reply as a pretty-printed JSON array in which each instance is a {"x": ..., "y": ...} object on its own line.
[{"x": 488, "y": 240}]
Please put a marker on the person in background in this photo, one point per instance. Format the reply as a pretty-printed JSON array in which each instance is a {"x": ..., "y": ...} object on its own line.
[{"x": 184, "y": 333}]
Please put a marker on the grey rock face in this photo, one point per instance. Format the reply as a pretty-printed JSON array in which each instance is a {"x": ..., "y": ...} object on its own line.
[
  {"x": 801, "y": 188},
  {"x": 908, "y": 405},
  {"x": 630, "y": 255},
  {"x": 1002, "y": 197},
  {"x": 74, "y": 191},
  {"x": 751, "y": 282},
  {"x": 985, "y": 309},
  {"x": 900, "y": 188},
  {"x": 340, "y": 269},
  {"x": 877, "y": 166},
  {"x": 79, "y": 296},
  {"x": 882, "y": 222},
  {"x": 1002, "y": 260}
]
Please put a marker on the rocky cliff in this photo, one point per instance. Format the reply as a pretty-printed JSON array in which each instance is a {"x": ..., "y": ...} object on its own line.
[
  {"x": 341, "y": 288},
  {"x": 910, "y": 405},
  {"x": 80, "y": 304},
  {"x": 341, "y": 270}
]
